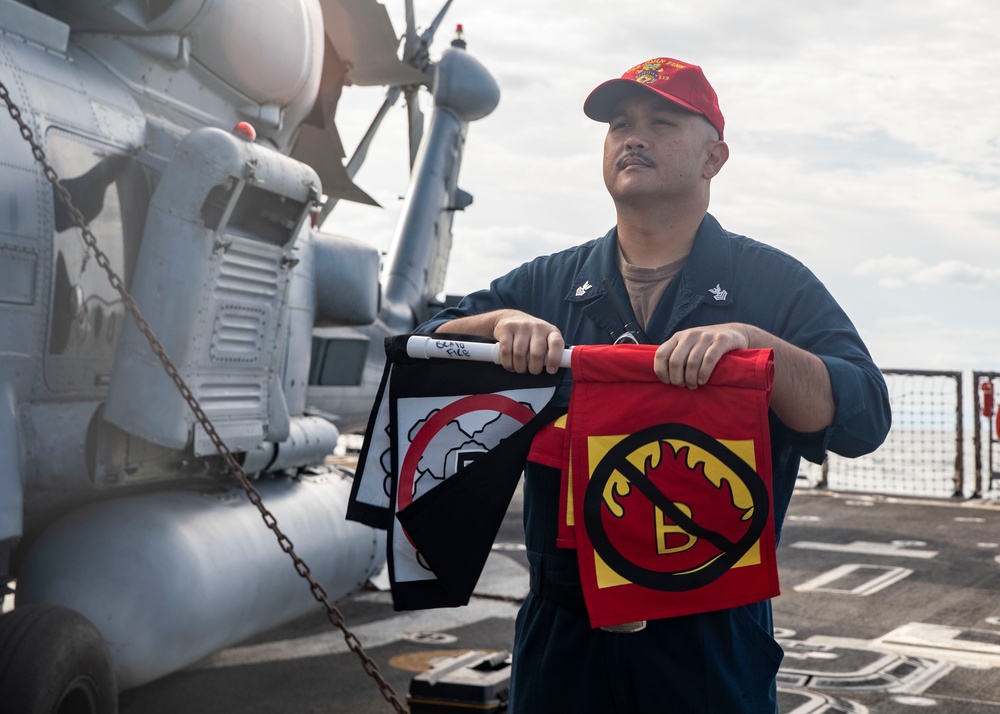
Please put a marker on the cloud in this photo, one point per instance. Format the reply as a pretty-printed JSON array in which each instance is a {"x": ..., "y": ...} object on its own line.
[
  {"x": 920, "y": 341},
  {"x": 858, "y": 148},
  {"x": 894, "y": 272},
  {"x": 863, "y": 135},
  {"x": 503, "y": 250},
  {"x": 955, "y": 272}
]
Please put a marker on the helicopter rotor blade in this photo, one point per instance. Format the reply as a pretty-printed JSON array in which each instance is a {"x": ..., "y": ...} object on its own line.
[
  {"x": 410, "y": 35},
  {"x": 428, "y": 35},
  {"x": 416, "y": 54},
  {"x": 361, "y": 151},
  {"x": 366, "y": 42},
  {"x": 416, "y": 121}
]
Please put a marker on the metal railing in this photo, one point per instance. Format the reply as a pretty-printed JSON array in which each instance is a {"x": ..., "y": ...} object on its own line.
[
  {"x": 985, "y": 416},
  {"x": 925, "y": 453}
]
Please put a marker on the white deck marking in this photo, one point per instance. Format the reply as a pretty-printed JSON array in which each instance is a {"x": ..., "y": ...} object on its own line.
[
  {"x": 866, "y": 548},
  {"x": 883, "y": 577},
  {"x": 883, "y": 673},
  {"x": 943, "y": 642},
  {"x": 818, "y": 702},
  {"x": 912, "y": 701}
]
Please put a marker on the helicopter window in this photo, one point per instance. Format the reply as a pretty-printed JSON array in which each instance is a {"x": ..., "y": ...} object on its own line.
[
  {"x": 259, "y": 214},
  {"x": 338, "y": 361},
  {"x": 110, "y": 191}
]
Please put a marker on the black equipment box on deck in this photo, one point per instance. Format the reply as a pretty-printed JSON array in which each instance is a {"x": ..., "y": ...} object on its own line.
[{"x": 471, "y": 682}]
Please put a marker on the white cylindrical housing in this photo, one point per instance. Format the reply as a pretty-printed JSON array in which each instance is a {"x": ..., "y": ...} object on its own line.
[{"x": 169, "y": 578}]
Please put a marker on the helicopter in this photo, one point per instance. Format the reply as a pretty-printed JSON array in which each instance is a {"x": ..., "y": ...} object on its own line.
[{"x": 185, "y": 153}]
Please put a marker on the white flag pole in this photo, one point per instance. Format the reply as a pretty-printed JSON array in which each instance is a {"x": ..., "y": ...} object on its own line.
[{"x": 422, "y": 347}]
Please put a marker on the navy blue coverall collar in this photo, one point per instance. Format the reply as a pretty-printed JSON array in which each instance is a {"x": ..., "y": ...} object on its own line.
[{"x": 710, "y": 258}]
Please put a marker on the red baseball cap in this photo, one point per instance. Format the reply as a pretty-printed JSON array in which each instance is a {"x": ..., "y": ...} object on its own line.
[{"x": 682, "y": 83}]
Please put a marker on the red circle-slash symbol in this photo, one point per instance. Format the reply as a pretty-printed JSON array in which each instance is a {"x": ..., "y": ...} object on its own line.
[
  {"x": 724, "y": 535},
  {"x": 438, "y": 421}
]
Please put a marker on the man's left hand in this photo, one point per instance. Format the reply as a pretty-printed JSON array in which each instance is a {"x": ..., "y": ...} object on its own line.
[
  {"x": 689, "y": 356},
  {"x": 801, "y": 396}
]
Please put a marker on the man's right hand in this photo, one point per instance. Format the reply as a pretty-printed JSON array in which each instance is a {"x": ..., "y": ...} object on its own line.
[{"x": 527, "y": 343}]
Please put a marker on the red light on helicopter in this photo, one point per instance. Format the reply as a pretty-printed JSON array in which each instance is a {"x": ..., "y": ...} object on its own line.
[
  {"x": 246, "y": 130},
  {"x": 459, "y": 39}
]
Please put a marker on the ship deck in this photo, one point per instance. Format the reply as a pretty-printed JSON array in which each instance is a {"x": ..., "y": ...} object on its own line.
[{"x": 888, "y": 605}]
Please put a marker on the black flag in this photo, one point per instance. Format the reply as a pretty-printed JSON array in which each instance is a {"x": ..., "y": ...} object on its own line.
[{"x": 444, "y": 450}]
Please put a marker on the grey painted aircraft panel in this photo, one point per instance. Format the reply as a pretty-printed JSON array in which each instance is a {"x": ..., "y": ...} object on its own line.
[{"x": 275, "y": 326}]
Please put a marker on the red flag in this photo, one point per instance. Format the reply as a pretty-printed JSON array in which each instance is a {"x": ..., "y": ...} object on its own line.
[{"x": 669, "y": 489}]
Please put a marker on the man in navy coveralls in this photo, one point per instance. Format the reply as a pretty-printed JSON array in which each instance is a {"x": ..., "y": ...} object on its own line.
[{"x": 698, "y": 291}]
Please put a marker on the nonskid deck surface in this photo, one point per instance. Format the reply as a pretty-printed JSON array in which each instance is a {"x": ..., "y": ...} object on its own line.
[{"x": 888, "y": 605}]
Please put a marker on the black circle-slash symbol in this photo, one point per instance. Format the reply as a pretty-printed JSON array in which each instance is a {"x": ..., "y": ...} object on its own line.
[{"x": 616, "y": 459}]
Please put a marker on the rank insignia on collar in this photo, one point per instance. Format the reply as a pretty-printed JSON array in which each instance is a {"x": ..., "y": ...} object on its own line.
[
  {"x": 582, "y": 290},
  {"x": 718, "y": 293}
]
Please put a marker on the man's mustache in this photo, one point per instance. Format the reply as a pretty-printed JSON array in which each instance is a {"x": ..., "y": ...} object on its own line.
[{"x": 642, "y": 156}]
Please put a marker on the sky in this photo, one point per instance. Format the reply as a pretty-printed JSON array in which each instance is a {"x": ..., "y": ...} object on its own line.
[{"x": 864, "y": 140}]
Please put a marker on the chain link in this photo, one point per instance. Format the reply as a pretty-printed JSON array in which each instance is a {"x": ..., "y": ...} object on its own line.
[{"x": 319, "y": 593}]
